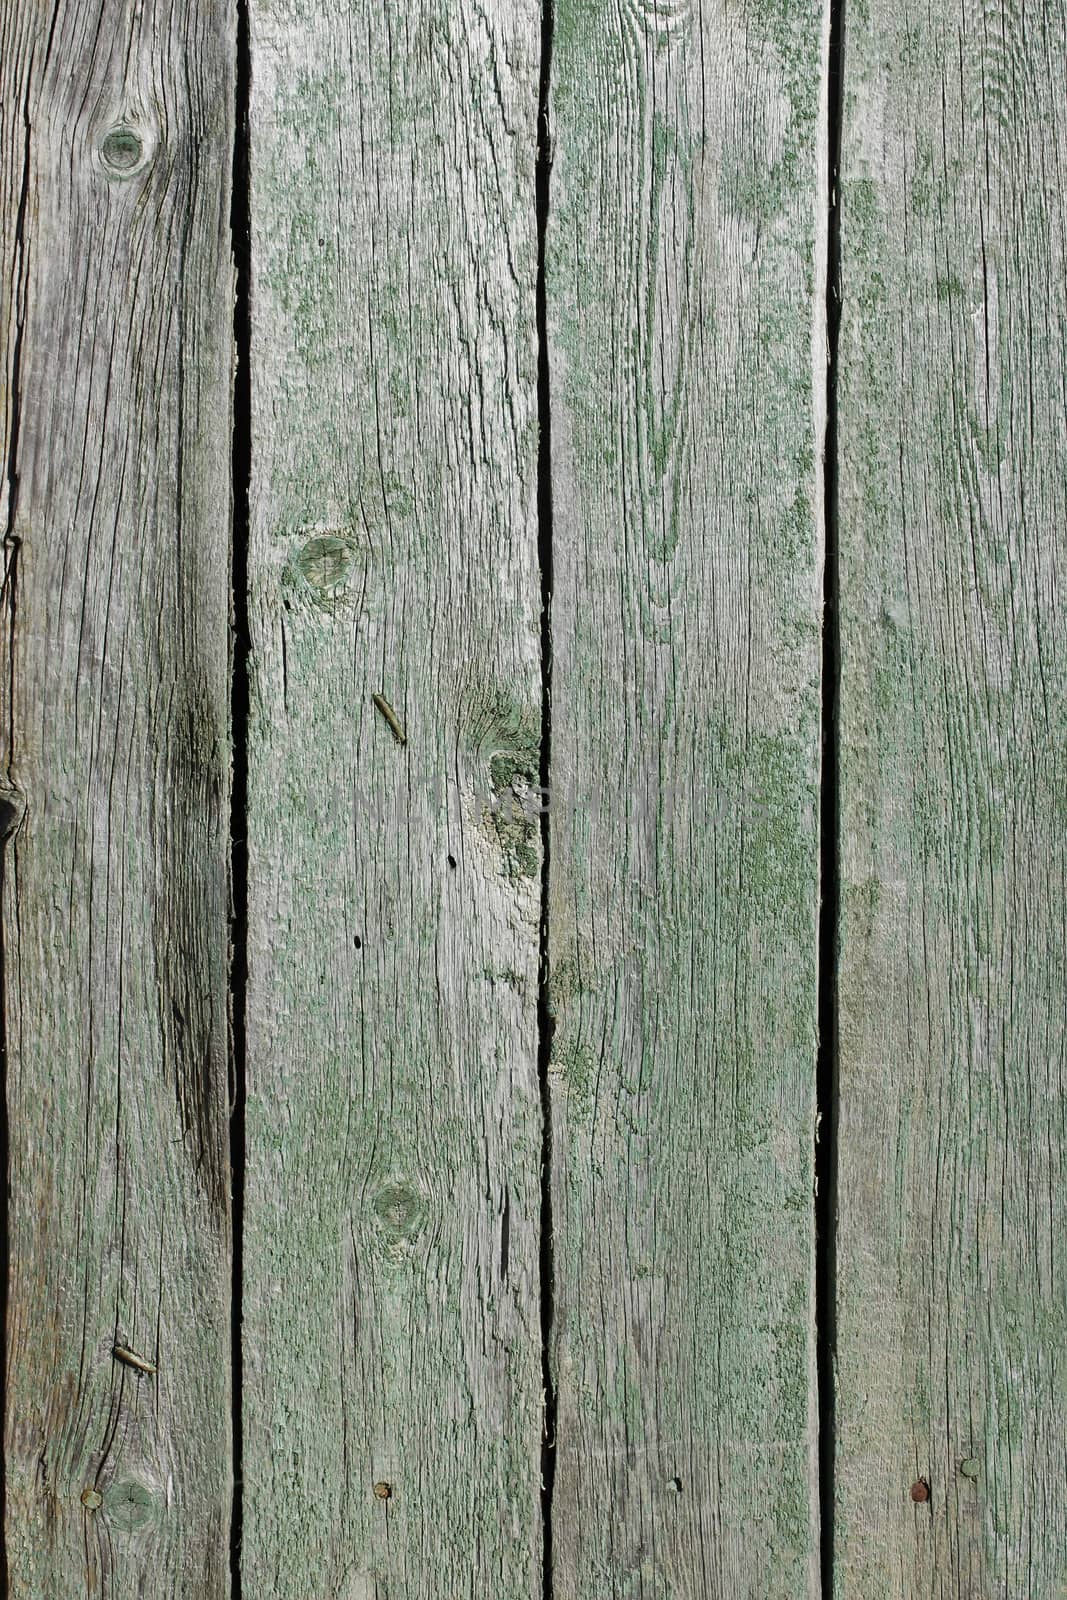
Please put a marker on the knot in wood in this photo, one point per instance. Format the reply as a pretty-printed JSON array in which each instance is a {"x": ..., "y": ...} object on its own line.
[{"x": 124, "y": 151}]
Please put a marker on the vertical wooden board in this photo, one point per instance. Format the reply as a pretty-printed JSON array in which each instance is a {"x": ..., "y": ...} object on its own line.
[
  {"x": 116, "y": 329},
  {"x": 953, "y": 359},
  {"x": 391, "y": 1322},
  {"x": 685, "y": 285}
]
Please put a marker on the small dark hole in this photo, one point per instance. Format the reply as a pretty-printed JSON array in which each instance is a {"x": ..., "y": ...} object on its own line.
[
  {"x": 11, "y": 815},
  {"x": 357, "y": 943},
  {"x": 676, "y": 1485},
  {"x": 452, "y": 862}
]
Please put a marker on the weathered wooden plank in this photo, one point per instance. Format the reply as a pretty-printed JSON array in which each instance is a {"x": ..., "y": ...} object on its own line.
[
  {"x": 391, "y": 1325},
  {"x": 952, "y": 1323},
  {"x": 116, "y": 340},
  {"x": 687, "y": 354}
]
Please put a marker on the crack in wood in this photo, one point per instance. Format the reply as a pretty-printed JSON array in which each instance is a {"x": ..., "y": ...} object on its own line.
[
  {"x": 826, "y": 1124},
  {"x": 241, "y": 467},
  {"x": 12, "y": 802},
  {"x": 545, "y": 1019}
]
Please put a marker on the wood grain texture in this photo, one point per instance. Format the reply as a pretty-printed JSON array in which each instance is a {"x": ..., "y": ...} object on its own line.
[
  {"x": 391, "y": 1323},
  {"x": 115, "y": 333},
  {"x": 953, "y": 363},
  {"x": 687, "y": 354}
]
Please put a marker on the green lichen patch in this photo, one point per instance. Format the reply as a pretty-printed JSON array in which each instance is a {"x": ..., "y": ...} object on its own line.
[
  {"x": 514, "y": 802},
  {"x": 518, "y": 838},
  {"x": 574, "y": 1068}
]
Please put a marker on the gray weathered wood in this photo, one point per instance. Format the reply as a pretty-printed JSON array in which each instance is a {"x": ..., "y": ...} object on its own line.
[
  {"x": 115, "y": 354},
  {"x": 687, "y": 353},
  {"x": 953, "y": 1331},
  {"x": 391, "y": 1325}
]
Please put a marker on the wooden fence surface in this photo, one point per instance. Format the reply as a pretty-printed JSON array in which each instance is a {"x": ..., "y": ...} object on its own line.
[
  {"x": 687, "y": 379},
  {"x": 116, "y": 321},
  {"x": 952, "y": 1246},
  {"x": 533, "y": 799}
]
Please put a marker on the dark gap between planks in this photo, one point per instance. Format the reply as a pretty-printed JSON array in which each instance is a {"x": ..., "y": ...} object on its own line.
[
  {"x": 5, "y": 1253},
  {"x": 11, "y": 814},
  {"x": 826, "y": 1145},
  {"x": 240, "y": 228},
  {"x": 545, "y": 1021}
]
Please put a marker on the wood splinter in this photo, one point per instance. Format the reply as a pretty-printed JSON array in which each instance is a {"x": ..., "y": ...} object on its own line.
[
  {"x": 382, "y": 706},
  {"x": 130, "y": 1358}
]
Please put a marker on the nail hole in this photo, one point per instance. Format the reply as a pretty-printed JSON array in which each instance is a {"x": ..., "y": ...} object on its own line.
[
  {"x": 676, "y": 1485},
  {"x": 122, "y": 149},
  {"x": 357, "y": 943},
  {"x": 452, "y": 862},
  {"x": 920, "y": 1491}
]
